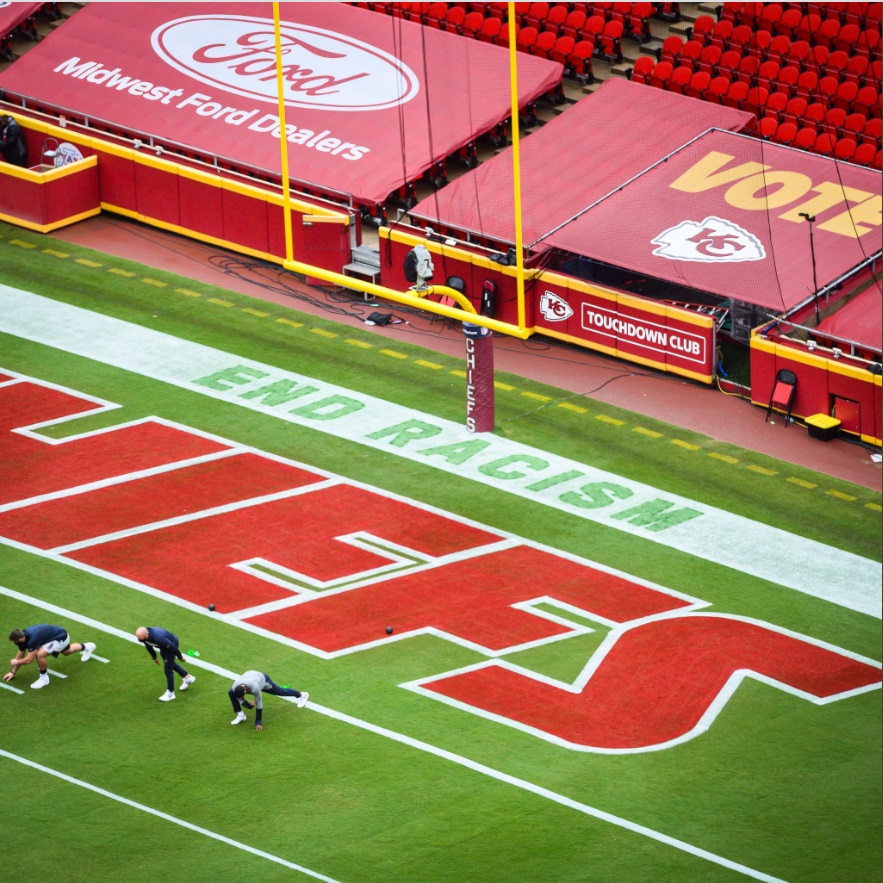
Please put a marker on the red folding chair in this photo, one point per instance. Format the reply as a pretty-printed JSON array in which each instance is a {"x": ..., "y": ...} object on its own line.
[{"x": 782, "y": 396}]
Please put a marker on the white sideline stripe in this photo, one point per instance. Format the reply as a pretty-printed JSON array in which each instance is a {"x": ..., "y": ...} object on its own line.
[
  {"x": 55, "y": 674},
  {"x": 10, "y": 687},
  {"x": 99, "y": 658},
  {"x": 419, "y": 745},
  {"x": 165, "y": 816}
]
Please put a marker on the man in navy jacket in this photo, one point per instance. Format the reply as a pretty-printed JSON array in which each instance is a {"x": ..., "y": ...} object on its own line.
[
  {"x": 159, "y": 639},
  {"x": 38, "y": 642}
]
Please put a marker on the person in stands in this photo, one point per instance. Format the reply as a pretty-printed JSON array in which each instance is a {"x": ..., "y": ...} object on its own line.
[{"x": 12, "y": 144}]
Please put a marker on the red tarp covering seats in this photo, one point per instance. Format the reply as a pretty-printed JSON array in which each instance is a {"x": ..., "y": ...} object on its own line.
[
  {"x": 859, "y": 321},
  {"x": 372, "y": 101}
]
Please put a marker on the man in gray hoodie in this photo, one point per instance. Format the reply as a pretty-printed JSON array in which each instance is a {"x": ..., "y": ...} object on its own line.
[{"x": 256, "y": 682}]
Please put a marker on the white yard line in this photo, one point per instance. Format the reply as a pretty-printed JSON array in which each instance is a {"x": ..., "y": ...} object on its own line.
[
  {"x": 402, "y": 739},
  {"x": 163, "y": 815}
]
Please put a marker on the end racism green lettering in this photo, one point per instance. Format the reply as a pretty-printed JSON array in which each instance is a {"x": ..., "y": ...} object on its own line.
[{"x": 230, "y": 377}]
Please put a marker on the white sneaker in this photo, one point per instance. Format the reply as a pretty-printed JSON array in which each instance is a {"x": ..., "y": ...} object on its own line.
[
  {"x": 41, "y": 682},
  {"x": 168, "y": 696},
  {"x": 302, "y": 699},
  {"x": 238, "y": 719},
  {"x": 88, "y": 650},
  {"x": 187, "y": 681}
]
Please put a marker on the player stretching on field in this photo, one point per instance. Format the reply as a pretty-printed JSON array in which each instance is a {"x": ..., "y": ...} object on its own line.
[
  {"x": 38, "y": 642},
  {"x": 256, "y": 682},
  {"x": 159, "y": 639}
]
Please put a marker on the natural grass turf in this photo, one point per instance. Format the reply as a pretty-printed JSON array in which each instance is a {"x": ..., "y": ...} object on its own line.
[{"x": 782, "y": 785}]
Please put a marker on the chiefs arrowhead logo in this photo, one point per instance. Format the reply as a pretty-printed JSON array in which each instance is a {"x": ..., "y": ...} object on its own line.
[
  {"x": 711, "y": 240},
  {"x": 553, "y": 308}
]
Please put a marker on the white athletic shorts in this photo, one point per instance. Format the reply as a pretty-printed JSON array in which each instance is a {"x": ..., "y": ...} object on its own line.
[{"x": 56, "y": 647}]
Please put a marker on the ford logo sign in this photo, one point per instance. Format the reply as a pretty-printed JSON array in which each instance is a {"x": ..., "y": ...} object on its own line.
[{"x": 321, "y": 69}]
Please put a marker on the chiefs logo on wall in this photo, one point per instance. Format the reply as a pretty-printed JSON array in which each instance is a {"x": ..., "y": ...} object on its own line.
[
  {"x": 554, "y": 308},
  {"x": 711, "y": 240}
]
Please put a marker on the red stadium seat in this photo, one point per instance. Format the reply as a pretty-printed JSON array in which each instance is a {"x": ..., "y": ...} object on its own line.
[
  {"x": 845, "y": 95},
  {"x": 609, "y": 45},
  {"x": 794, "y": 111},
  {"x": 525, "y": 38},
  {"x": 827, "y": 33},
  {"x": 563, "y": 47},
  {"x": 785, "y": 133},
  {"x": 853, "y": 126},
  {"x": 777, "y": 50},
  {"x": 472, "y": 24},
  {"x": 826, "y": 90},
  {"x": 690, "y": 53},
  {"x": 717, "y": 89},
  {"x": 872, "y": 132},
  {"x": 490, "y": 28},
  {"x": 679, "y": 78},
  {"x": 789, "y": 22},
  {"x": 824, "y": 144},
  {"x": 844, "y": 149},
  {"x": 709, "y": 59},
  {"x": 767, "y": 75},
  {"x": 660, "y": 75},
  {"x": 671, "y": 49},
  {"x": 573, "y": 24},
  {"x": 642, "y": 68},
  {"x": 544, "y": 44},
  {"x": 435, "y": 15},
  {"x": 580, "y": 61},
  {"x": 856, "y": 69},
  {"x": 760, "y": 44},
  {"x": 746, "y": 73},
  {"x": 808, "y": 28},
  {"x": 720, "y": 34},
  {"x": 805, "y": 138},
  {"x": 833, "y": 122},
  {"x": 817, "y": 60},
  {"x": 768, "y": 20},
  {"x": 806, "y": 85},
  {"x": 797, "y": 55},
  {"x": 592, "y": 29},
  {"x": 786, "y": 81},
  {"x": 766, "y": 128},
  {"x": 728, "y": 64},
  {"x": 555, "y": 18},
  {"x": 836, "y": 65},
  {"x": 874, "y": 76},
  {"x": 867, "y": 101},
  {"x": 698, "y": 84},
  {"x": 740, "y": 39},
  {"x": 736, "y": 94},
  {"x": 701, "y": 30},
  {"x": 868, "y": 43},
  {"x": 638, "y": 22},
  {"x": 847, "y": 39},
  {"x": 755, "y": 100},
  {"x": 453, "y": 22},
  {"x": 535, "y": 15},
  {"x": 815, "y": 115},
  {"x": 775, "y": 105},
  {"x": 864, "y": 154}
]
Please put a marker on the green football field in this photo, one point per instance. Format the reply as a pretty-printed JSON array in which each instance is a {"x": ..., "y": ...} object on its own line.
[{"x": 620, "y": 650}]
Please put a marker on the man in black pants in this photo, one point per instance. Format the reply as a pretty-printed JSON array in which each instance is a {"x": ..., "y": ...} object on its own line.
[
  {"x": 159, "y": 639},
  {"x": 256, "y": 682}
]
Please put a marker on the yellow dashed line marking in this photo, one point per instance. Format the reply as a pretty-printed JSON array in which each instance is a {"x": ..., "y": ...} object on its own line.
[
  {"x": 362, "y": 343},
  {"x": 394, "y": 354},
  {"x": 457, "y": 372},
  {"x": 801, "y": 483},
  {"x": 536, "y": 396},
  {"x": 291, "y": 323},
  {"x": 504, "y": 386},
  {"x": 650, "y": 432},
  {"x": 685, "y": 445},
  {"x": 613, "y": 421},
  {"x": 875, "y": 506},
  {"x": 761, "y": 469},
  {"x": 55, "y": 253},
  {"x": 257, "y": 313},
  {"x": 323, "y": 333},
  {"x": 571, "y": 407},
  {"x": 841, "y": 496},
  {"x": 22, "y": 244},
  {"x": 87, "y": 263},
  {"x": 723, "y": 457},
  {"x": 187, "y": 292},
  {"x": 118, "y": 272},
  {"x": 424, "y": 364},
  {"x": 221, "y": 303},
  {"x": 156, "y": 283}
]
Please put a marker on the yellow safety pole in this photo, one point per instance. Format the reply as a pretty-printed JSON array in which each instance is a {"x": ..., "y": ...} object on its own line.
[
  {"x": 283, "y": 141},
  {"x": 516, "y": 167}
]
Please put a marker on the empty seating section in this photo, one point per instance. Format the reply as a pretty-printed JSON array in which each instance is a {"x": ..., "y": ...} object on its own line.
[{"x": 809, "y": 72}]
